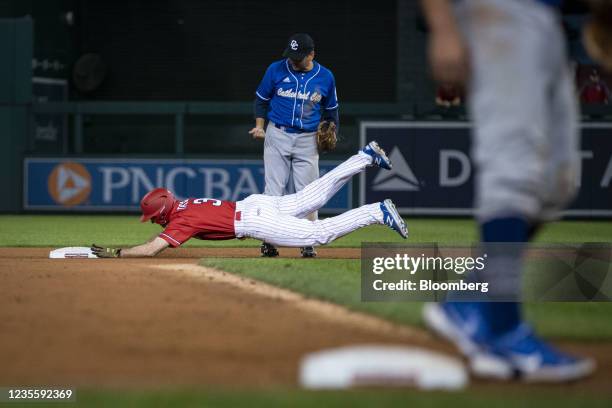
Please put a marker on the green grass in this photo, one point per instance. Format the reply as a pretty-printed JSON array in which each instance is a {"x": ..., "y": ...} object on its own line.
[
  {"x": 338, "y": 281},
  {"x": 73, "y": 230},
  {"x": 82, "y": 230},
  {"x": 329, "y": 399}
]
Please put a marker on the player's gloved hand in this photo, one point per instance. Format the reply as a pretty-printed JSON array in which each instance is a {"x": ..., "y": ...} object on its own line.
[
  {"x": 257, "y": 133},
  {"x": 326, "y": 136},
  {"x": 105, "y": 252}
]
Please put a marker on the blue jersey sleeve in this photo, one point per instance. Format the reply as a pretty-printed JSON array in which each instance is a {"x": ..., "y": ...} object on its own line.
[
  {"x": 265, "y": 89},
  {"x": 331, "y": 100},
  {"x": 260, "y": 108}
]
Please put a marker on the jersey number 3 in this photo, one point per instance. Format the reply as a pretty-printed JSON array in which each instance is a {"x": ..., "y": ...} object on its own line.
[{"x": 215, "y": 202}]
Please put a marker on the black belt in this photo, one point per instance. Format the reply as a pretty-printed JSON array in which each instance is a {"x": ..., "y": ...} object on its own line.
[{"x": 290, "y": 129}]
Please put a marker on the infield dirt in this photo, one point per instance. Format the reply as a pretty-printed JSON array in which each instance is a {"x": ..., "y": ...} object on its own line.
[{"x": 130, "y": 323}]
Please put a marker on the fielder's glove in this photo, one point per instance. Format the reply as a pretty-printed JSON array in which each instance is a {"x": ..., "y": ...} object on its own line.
[
  {"x": 326, "y": 136},
  {"x": 597, "y": 34},
  {"x": 105, "y": 252}
]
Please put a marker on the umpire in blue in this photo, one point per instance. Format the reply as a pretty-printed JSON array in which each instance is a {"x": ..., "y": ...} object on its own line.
[{"x": 295, "y": 94}]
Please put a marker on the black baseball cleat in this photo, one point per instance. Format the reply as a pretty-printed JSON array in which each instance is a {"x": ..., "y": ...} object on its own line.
[
  {"x": 308, "y": 252},
  {"x": 268, "y": 250}
]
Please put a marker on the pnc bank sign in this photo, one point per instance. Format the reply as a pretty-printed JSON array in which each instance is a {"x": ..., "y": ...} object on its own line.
[
  {"x": 216, "y": 182},
  {"x": 118, "y": 185}
]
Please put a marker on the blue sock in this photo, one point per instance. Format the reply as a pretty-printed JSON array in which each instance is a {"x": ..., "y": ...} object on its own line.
[
  {"x": 509, "y": 229},
  {"x": 503, "y": 316}
]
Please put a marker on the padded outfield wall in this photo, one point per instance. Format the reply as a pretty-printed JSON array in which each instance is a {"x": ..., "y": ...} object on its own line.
[{"x": 433, "y": 173}]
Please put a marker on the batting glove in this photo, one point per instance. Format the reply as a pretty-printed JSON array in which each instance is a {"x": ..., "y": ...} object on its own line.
[{"x": 105, "y": 252}]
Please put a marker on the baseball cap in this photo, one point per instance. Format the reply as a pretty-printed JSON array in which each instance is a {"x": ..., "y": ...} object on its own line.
[{"x": 298, "y": 46}]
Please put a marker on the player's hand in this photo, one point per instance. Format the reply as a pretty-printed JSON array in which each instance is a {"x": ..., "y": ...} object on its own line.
[
  {"x": 448, "y": 56},
  {"x": 257, "y": 133},
  {"x": 105, "y": 252}
]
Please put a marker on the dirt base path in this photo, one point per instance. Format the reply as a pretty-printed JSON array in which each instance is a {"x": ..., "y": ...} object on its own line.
[
  {"x": 197, "y": 253},
  {"x": 130, "y": 323}
]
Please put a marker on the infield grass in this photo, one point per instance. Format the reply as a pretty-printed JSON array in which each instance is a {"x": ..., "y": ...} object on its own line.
[
  {"x": 82, "y": 230},
  {"x": 339, "y": 281}
]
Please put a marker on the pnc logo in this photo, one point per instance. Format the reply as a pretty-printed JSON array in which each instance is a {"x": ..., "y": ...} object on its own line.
[{"x": 69, "y": 184}]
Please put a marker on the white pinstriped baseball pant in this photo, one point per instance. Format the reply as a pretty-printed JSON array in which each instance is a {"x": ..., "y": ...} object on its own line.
[{"x": 278, "y": 220}]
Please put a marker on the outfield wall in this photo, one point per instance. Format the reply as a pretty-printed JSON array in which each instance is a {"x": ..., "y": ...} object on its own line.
[
  {"x": 15, "y": 95},
  {"x": 432, "y": 175},
  {"x": 433, "y": 170}
]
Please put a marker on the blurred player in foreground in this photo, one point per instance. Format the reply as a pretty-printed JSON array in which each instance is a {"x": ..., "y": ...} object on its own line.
[
  {"x": 511, "y": 56},
  {"x": 274, "y": 219}
]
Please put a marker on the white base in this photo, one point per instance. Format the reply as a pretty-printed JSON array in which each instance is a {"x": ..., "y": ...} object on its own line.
[
  {"x": 72, "y": 253},
  {"x": 373, "y": 365}
]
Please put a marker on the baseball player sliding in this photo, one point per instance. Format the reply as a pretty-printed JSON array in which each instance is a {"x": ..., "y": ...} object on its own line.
[
  {"x": 294, "y": 95},
  {"x": 278, "y": 220}
]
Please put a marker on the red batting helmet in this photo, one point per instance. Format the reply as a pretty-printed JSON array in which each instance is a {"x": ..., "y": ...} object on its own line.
[{"x": 157, "y": 204}]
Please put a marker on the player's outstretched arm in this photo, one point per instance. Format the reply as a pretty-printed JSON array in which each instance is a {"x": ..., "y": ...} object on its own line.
[{"x": 148, "y": 249}]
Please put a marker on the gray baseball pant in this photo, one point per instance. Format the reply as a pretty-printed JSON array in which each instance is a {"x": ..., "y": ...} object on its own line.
[{"x": 289, "y": 157}]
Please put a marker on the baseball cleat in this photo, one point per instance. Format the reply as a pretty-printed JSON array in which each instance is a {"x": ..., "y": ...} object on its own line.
[
  {"x": 519, "y": 354},
  {"x": 523, "y": 355},
  {"x": 459, "y": 323},
  {"x": 268, "y": 250},
  {"x": 308, "y": 252},
  {"x": 379, "y": 157},
  {"x": 392, "y": 219}
]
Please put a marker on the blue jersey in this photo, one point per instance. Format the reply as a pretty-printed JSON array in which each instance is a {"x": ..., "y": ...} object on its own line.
[{"x": 296, "y": 98}]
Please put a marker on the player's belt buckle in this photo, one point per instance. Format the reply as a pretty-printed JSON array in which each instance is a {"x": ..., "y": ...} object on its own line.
[
  {"x": 238, "y": 216},
  {"x": 289, "y": 129}
]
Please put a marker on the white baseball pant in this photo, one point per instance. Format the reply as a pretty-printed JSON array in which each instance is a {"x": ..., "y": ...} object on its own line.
[{"x": 279, "y": 220}]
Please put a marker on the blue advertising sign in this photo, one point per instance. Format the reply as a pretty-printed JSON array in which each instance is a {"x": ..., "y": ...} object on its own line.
[
  {"x": 118, "y": 184},
  {"x": 433, "y": 171}
]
